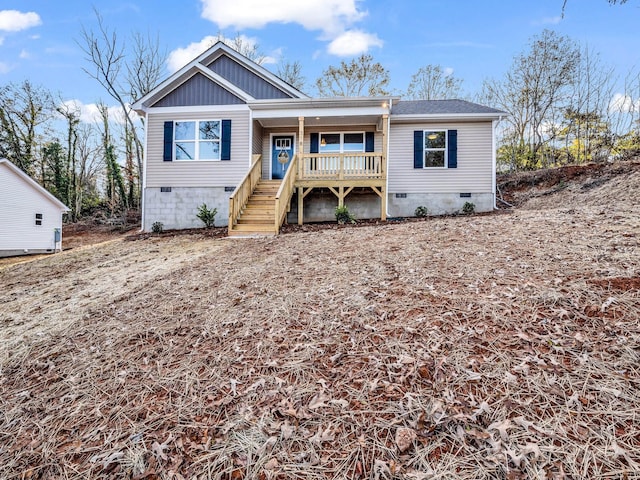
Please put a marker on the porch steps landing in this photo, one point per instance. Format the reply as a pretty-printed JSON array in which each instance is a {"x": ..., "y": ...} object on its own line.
[{"x": 258, "y": 215}]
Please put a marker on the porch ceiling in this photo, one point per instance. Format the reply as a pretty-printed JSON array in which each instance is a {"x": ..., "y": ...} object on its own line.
[{"x": 333, "y": 121}]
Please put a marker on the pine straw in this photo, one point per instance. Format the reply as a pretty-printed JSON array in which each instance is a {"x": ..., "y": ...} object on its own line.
[{"x": 507, "y": 343}]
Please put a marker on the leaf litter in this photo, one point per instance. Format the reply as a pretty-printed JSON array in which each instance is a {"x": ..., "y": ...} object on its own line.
[{"x": 501, "y": 346}]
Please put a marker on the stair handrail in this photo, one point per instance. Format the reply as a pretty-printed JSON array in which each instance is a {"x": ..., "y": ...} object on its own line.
[
  {"x": 283, "y": 197},
  {"x": 243, "y": 191}
]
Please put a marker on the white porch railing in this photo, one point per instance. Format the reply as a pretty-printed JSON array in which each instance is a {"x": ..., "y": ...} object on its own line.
[{"x": 340, "y": 166}]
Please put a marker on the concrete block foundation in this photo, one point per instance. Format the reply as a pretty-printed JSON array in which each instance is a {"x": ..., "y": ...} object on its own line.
[
  {"x": 178, "y": 208},
  {"x": 320, "y": 205}
]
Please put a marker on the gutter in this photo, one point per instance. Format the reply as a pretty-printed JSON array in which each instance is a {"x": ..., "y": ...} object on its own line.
[{"x": 143, "y": 190}]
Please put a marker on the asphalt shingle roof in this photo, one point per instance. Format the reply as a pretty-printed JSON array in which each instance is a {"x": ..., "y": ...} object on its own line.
[{"x": 434, "y": 107}]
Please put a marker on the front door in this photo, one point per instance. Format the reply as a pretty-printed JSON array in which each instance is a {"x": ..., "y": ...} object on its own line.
[{"x": 281, "y": 155}]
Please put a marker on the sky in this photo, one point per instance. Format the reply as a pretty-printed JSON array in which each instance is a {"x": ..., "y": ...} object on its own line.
[{"x": 471, "y": 39}]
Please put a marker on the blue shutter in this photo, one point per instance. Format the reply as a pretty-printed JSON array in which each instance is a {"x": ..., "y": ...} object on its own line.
[
  {"x": 369, "y": 142},
  {"x": 167, "y": 154},
  {"x": 418, "y": 149},
  {"x": 452, "y": 150},
  {"x": 314, "y": 142},
  {"x": 225, "y": 143}
]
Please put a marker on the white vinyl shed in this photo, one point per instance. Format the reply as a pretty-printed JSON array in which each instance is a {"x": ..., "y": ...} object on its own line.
[{"x": 30, "y": 216}]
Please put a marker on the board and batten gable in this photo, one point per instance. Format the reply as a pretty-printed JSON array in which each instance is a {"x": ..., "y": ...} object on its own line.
[
  {"x": 198, "y": 90},
  {"x": 193, "y": 173},
  {"x": 474, "y": 172},
  {"x": 243, "y": 78},
  {"x": 19, "y": 204}
]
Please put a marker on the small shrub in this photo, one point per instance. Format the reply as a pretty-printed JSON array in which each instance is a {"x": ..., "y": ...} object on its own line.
[
  {"x": 421, "y": 211},
  {"x": 468, "y": 208},
  {"x": 343, "y": 216},
  {"x": 206, "y": 215},
  {"x": 157, "y": 227}
]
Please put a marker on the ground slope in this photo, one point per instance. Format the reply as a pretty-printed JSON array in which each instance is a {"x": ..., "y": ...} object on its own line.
[{"x": 498, "y": 346}]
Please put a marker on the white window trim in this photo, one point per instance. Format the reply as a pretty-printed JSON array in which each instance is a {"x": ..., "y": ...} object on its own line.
[
  {"x": 445, "y": 149},
  {"x": 196, "y": 141},
  {"x": 364, "y": 142}
]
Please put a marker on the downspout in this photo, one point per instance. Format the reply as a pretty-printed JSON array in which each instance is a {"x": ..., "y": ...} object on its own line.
[
  {"x": 386, "y": 189},
  {"x": 494, "y": 124},
  {"x": 144, "y": 172}
]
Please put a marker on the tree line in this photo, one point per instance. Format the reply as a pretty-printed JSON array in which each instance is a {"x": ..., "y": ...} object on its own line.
[{"x": 560, "y": 99}]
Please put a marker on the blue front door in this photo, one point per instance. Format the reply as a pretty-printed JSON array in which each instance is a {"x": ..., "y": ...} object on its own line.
[{"x": 281, "y": 155}]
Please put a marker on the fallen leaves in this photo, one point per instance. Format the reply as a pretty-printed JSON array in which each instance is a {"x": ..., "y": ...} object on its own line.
[{"x": 379, "y": 352}]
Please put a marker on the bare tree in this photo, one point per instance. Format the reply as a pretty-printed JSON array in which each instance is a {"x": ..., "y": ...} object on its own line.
[
  {"x": 587, "y": 120},
  {"x": 24, "y": 108},
  {"x": 108, "y": 60},
  {"x": 533, "y": 92},
  {"x": 291, "y": 72},
  {"x": 432, "y": 82},
  {"x": 145, "y": 67},
  {"x": 360, "y": 77},
  {"x": 89, "y": 164},
  {"x": 71, "y": 114}
]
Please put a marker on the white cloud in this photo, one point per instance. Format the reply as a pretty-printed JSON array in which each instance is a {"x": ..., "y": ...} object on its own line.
[
  {"x": 448, "y": 71},
  {"x": 14, "y": 21},
  {"x": 24, "y": 54},
  {"x": 89, "y": 112},
  {"x": 1, "y": 41},
  {"x": 179, "y": 57},
  {"x": 333, "y": 18},
  {"x": 624, "y": 104},
  {"x": 324, "y": 15},
  {"x": 353, "y": 42},
  {"x": 548, "y": 21},
  {"x": 5, "y": 67}
]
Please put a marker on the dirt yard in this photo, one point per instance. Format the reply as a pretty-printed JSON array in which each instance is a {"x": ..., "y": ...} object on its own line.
[{"x": 494, "y": 346}]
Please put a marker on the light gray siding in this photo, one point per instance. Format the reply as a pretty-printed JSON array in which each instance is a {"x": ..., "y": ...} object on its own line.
[
  {"x": 475, "y": 160},
  {"x": 198, "y": 90},
  {"x": 19, "y": 203},
  {"x": 244, "y": 79},
  {"x": 198, "y": 173},
  {"x": 257, "y": 139}
]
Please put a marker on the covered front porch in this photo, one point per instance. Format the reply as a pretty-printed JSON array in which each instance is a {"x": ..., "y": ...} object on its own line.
[{"x": 321, "y": 147}]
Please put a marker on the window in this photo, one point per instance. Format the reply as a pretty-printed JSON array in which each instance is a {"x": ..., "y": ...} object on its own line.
[
  {"x": 38, "y": 219},
  {"x": 341, "y": 142},
  {"x": 435, "y": 148},
  {"x": 197, "y": 140}
]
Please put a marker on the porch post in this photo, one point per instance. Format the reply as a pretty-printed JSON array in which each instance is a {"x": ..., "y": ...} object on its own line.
[
  {"x": 300, "y": 169},
  {"x": 383, "y": 188}
]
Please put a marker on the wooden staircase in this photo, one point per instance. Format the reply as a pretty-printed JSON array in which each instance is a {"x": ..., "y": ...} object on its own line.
[{"x": 258, "y": 215}]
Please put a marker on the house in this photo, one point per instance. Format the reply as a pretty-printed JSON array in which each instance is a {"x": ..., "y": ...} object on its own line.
[
  {"x": 226, "y": 132},
  {"x": 30, "y": 217}
]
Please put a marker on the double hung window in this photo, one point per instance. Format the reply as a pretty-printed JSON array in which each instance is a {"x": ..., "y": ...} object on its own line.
[{"x": 197, "y": 140}]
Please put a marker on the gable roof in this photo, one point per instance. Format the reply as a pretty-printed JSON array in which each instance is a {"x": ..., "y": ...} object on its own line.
[
  {"x": 33, "y": 184},
  {"x": 443, "y": 107},
  {"x": 201, "y": 65}
]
